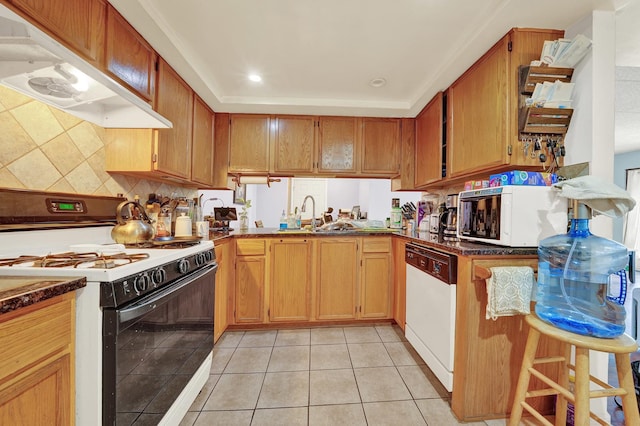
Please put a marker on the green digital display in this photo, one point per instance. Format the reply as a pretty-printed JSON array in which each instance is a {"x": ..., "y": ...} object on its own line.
[{"x": 66, "y": 206}]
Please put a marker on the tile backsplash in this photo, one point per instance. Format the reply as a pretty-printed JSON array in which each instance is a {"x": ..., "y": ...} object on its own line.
[{"x": 43, "y": 148}]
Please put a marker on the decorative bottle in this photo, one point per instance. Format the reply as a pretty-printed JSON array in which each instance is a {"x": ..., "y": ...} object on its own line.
[{"x": 573, "y": 279}]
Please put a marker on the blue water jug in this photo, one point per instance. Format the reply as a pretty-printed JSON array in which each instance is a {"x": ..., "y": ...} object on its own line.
[{"x": 573, "y": 279}]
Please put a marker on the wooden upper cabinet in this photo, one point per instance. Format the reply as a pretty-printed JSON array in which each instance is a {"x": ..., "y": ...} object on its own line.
[
  {"x": 175, "y": 102},
  {"x": 129, "y": 57},
  {"x": 337, "y": 144},
  {"x": 405, "y": 181},
  {"x": 380, "y": 146},
  {"x": 294, "y": 144},
  {"x": 202, "y": 145},
  {"x": 483, "y": 106},
  {"x": 80, "y": 24},
  {"x": 428, "y": 147},
  {"x": 249, "y": 143}
]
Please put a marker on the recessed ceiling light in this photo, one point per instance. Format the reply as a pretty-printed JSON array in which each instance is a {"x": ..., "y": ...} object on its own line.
[
  {"x": 378, "y": 82},
  {"x": 255, "y": 78}
]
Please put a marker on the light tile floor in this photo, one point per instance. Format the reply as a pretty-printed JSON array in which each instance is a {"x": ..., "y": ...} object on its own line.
[{"x": 331, "y": 376}]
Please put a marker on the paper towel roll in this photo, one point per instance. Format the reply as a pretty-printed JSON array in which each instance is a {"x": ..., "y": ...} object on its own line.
[{"x": 256, "y": 180}]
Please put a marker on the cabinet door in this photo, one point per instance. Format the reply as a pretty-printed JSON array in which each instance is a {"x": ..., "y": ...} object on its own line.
[
  {"x": 399, "y": 282},
  {"x": 129, "y": 57},
  {"x": 380, "y": 146},
  {"x": 202, "y": 145},
  {"x": 250, "y": 275},
  {"x": 294, "y": 144},
  {"x": 224, "y": 279},
  {"x": 175, "y": 102},
  {"x": 375, "y": 278},
  {"x": 337, "y": 278},
  {"x": 80, "y": 24},
  {"x": 478, "y": 103},
  {"x": 40, "y": 397},
  {"x": 337, "y": 144},
  {"x": 290, "y": 284},
  {"x": 428, "y": 153},
  {"x": 406, "y": 180},
  {"x": 249, "y": 143}
]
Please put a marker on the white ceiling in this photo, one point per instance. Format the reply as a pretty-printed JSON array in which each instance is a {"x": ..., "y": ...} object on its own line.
[{"x": 317, "y": 57}]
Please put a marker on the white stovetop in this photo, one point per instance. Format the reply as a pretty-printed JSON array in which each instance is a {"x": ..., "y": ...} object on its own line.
[{"x": 39, "y": 243}]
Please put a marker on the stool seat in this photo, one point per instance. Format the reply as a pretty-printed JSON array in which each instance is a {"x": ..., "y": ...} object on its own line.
[{"x": 620, "y": 346}]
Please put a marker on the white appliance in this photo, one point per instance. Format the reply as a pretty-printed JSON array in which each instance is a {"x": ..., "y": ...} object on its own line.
[
  {"x": 431, "y": 308},
  {"x": 512, "y": 215},
  {"x": 127, "y": 288}
]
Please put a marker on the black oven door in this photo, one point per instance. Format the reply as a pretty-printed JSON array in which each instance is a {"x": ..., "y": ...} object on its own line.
[{"x": 153, "y": 346}]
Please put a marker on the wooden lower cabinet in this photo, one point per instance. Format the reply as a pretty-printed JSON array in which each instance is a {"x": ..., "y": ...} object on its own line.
[
  {"x": 399, "y": 282},
  {"x": 290, "y": 283},
  {"x": 337, "y": 278},
  {"x": 488, "y": 354},
  {"x": 250, "y": 280},
  {"x": 376, "y": 296},
  {"x": 225, "y": 254},
  {"x": 37, "y": 363}
]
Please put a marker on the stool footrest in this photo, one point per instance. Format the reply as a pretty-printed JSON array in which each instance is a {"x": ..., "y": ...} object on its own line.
[
  {"x": 549, "y": 359},
  {"x": 535, "y": 413},
  {"x": 559, "y": 389}
]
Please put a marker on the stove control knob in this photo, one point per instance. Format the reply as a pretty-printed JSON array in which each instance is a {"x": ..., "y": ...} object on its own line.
[
  {"x": 208, "y": 256},
  {"x": 158, "y": 276},
  {"x": 141, "y": 282},
  {"x": 200, "y": 259},
  {"x": 184, "y": 266}
]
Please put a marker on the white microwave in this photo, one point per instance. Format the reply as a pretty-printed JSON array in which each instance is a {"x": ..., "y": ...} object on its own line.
[{"x": 513, "y": 215}]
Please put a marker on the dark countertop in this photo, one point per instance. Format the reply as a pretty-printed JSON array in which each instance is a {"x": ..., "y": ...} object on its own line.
[
  {"x": 18, "y": 292},
  {"x": 463, "y": 248}
]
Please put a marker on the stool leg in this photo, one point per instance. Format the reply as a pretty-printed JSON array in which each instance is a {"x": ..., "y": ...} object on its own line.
[
  {"x": 625, "y": 380},
  {"x": 582, "y": 405},
  {"x": 563, "y": 380},
  {"x": 523, "y": 379}
]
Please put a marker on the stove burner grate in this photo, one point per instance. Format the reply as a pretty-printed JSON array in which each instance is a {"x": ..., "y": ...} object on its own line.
[{"x": 75, "y": 260}]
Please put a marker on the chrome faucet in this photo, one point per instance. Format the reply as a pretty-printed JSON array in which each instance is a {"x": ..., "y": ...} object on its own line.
[{"x": 313, "y": 208}]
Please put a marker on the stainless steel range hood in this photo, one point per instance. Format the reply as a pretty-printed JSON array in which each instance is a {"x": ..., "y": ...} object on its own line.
[{"x": 34, "y": 64}]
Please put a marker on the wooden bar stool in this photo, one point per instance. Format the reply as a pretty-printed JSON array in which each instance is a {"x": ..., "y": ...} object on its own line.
[{"x": 620, "y": 346}]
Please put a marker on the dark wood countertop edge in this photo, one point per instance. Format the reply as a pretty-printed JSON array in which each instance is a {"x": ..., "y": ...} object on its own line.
[
  {"x": 29, "y": 294},
  {"x": 462, "y": 248}
]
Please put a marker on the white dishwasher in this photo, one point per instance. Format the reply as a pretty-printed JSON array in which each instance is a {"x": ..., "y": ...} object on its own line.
[{"x": 431, "y": 308}]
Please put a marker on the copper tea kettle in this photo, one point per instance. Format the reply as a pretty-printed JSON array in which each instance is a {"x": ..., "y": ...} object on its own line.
[{"x": 132, "y": 230}]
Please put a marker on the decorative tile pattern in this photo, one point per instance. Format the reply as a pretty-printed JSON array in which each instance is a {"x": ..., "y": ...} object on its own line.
[{"x": 43, "y": 148}]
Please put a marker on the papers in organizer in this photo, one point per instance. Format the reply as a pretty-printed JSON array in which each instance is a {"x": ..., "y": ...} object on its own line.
[
  {"x": 565, "y": 53},
  {"x": 551, "y": 95}
]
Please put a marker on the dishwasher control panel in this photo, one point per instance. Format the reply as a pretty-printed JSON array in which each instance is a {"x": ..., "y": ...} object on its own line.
[{"x": 443, "y": 266}]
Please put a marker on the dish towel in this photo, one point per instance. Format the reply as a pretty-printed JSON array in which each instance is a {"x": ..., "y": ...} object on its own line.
[{"x": 509, "y": 291}]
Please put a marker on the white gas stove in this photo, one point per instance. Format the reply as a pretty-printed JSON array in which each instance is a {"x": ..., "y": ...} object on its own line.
[{"x": 161, "y": 292}]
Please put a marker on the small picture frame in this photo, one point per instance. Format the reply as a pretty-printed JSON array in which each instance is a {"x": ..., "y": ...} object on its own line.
[{"x": 240, "y": 194}]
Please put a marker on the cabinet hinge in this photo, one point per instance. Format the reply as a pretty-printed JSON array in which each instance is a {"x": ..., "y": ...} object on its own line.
[
  {"x": 269, "y": 312},
  {"x": 510, "y": 46},
  {"x": 154, "y": 158},
  {"x": 509, "y": 150},
  {"x": 157, "y": 66}
]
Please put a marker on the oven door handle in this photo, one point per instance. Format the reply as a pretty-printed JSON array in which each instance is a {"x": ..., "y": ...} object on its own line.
[{"x": 149, "y": 303}]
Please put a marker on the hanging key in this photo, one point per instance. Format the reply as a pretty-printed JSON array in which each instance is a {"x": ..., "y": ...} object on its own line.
[{"x": 542, "y": 157}]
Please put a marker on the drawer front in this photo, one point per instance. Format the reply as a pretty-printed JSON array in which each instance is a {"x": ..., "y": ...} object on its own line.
[
  {"x": 376, "y": 244},
  {"x": 251, "y": 247},
  {"x": 44, "y": 329}
]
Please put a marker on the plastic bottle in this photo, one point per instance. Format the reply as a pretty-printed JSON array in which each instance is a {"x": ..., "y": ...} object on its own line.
[
  {"x": 396, "y": 214},
  {"x": 573, "y": 277},
  {"x": 283, "y": 221}
]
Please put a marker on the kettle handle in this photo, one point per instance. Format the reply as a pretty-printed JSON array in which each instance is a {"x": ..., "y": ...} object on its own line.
[{"x": 143, "y": 213}]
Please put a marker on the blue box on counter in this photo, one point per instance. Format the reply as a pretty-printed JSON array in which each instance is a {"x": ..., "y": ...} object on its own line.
[{"x": 519, "y": 177}]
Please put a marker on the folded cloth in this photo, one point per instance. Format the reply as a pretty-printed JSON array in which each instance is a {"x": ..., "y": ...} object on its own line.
[
  {"x": 509, "y": 291},
  {"x": 602, "y": 196}
]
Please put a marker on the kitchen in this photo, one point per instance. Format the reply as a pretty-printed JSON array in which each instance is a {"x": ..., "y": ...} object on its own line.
[{"x": 80, "y": 170}]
